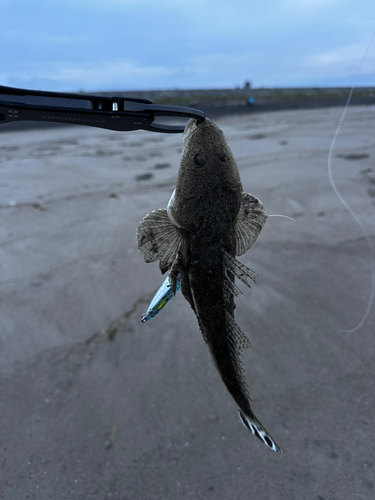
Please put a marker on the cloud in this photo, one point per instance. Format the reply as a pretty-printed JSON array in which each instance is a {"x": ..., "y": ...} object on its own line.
[
  {"x": 120, "y": 74},
  {"x": 146, "y": 44},
  {"x": 344, "y": 60},
  {"x": 311, "y": 5}
]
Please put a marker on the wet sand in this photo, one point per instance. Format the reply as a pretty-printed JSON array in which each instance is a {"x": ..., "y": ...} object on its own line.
[{"x": 95, "y": 404}]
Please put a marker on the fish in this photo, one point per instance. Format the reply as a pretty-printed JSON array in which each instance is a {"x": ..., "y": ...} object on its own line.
[{"x": 209, "y": 221}]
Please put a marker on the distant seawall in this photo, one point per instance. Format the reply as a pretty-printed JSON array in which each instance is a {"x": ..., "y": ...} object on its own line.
[
  {"x": 218, "y": 102},
  {"x": 292, "y": 97}
]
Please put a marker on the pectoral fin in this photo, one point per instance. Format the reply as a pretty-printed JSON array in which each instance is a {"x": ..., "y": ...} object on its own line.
[
  {"x": 250, "y": 221},
  {"x": 158, "y": 239}
]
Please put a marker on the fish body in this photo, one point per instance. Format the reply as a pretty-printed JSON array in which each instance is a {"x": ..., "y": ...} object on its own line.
[{"x": 209, "y": 220}]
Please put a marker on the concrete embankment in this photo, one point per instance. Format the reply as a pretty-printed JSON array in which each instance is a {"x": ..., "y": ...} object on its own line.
[{"x": 219, "y": 102}]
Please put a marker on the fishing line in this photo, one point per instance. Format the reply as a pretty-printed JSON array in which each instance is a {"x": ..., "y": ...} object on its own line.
[
  {"x": 286, "y": 217},
  {"x": 333, "y": 143}
]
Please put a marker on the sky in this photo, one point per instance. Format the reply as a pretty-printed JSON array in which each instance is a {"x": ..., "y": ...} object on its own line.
[{"x": 109, "y": 45}]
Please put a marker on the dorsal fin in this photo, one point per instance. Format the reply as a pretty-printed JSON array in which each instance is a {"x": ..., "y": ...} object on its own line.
[
  {"x": 236, "y": 336},
  {"x": 250, "y": 220},
  {"x": 158, "y": 239},
  {"x": 231, "y": 264},
  {"x": 238, "y": 342},
  {"x": 230, "y": 287}
]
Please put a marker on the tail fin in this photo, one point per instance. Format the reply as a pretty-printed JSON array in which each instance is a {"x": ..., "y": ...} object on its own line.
[{"x": 253, "y": 424}]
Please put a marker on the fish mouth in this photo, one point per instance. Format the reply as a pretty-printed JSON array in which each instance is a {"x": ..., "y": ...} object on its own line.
[{"x": 190, "y": 128}]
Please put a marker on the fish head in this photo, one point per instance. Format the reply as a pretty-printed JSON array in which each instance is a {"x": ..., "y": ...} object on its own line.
[{"x": 208, "y": 180}]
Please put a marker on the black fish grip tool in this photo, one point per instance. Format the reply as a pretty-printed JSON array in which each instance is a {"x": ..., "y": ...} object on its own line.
[{"x": 113, "y": 113}]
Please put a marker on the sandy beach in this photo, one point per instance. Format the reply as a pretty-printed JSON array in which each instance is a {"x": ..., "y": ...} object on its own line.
[{"x": 95, "y": 404}]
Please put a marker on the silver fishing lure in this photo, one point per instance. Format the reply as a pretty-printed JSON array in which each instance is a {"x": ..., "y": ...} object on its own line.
[{"x": 161, "y": 298}]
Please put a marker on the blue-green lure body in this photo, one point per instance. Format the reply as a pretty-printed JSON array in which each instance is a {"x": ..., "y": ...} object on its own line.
[{"x": 161, "y": 298}]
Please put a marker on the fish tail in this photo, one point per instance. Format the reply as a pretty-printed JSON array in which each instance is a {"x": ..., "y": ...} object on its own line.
[{"x": 253, "y": 424}]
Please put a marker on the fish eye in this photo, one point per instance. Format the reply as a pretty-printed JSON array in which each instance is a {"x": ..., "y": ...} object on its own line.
[
  {"x": 199, "y": 160},
  {"x": 222, "y": 156}
]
